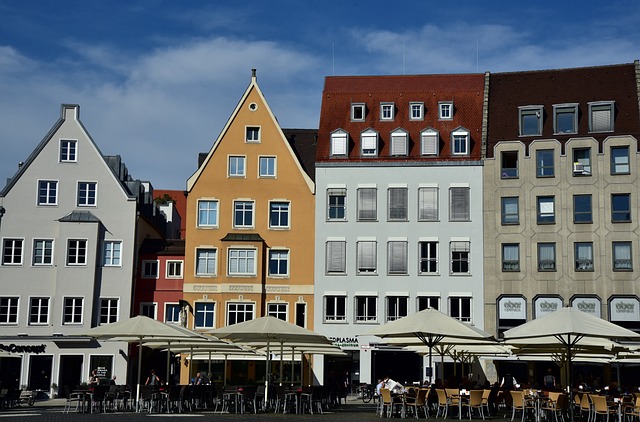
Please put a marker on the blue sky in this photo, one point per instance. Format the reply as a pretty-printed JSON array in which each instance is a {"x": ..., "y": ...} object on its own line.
[{"x": 156, "y": 80}]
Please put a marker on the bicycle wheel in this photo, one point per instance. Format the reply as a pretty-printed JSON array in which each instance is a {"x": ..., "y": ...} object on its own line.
[{"x": 366, "y": 395}]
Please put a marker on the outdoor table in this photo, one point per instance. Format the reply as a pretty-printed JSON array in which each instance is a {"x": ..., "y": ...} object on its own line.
[
  {"x": 87, "y": 398},
  {"x": 234, "y": 395}
]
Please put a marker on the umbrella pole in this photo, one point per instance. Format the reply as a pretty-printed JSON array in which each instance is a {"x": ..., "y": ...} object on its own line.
[
  {"x": 430, "y": 365},
  {"x": 266, "y": 377},
  {"x": 168, "y": 362},
  {"x": 281, "y": 353},
  {"x": 139, "y": 375},
  {"x": 225, "y": 370},
  {"x": 293, "y": 358},
  {"x": 209, "y": 368},
  {"x": 569, "y": 378},
  {"x": 309, "y": 365}
]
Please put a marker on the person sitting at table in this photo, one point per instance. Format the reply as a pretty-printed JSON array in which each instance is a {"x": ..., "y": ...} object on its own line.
[
  {"x": 379, "y": 385},
  {"x": 152, "y": 379},
  {"x": 113, "y": 380},
  {"x": 394, "y": 386},
  {"x": 198, "y": 380},
  {"x": 94, "y": 379}
]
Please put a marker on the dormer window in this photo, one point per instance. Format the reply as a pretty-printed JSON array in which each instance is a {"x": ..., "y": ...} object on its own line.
[
  {"x": 601, "y": 116},
  {"x": 387, "y": 111},
  {"x": 399, "y": 142},
  {"x": 460, "y": 142},
  {"x": 429, "y": 140},
  {"x": 530, "y": 120},
  {"x": 445, "y": 110},
  {"x": 416, "y": 111},
  {"x": 357, "y": 112},
  {"x": 565, "y": 118},
  {"x": 339, "y": 143},
  {"x": 369, "y": 143}
]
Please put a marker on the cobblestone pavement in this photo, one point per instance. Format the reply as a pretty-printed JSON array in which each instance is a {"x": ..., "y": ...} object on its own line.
[{"x": 52, "y": 410}]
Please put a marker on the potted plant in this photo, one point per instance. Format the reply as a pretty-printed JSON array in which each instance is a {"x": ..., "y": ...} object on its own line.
[{"x": 54, "y": 388}]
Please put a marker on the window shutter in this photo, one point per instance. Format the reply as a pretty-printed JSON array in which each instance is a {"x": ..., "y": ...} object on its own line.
[
  {"x": 428, "y": 204},
  {"x": 367, "y": 203},
  {"x": 367, "y": 256},
  {"x": 399, "y": 144},
  {"x": 398, "y": 203},
  {"x": 398, "y": 257},
  {"x": 336, "y": 256},
  {"x": 460, "y": 246},
  {"x": 339, "y": 144},
  {"x": 459, "y": 204},
  {"x": 601, "y": 119},
  {"x": 429, "y": 143},
  {"x": 369, "y": 141}
]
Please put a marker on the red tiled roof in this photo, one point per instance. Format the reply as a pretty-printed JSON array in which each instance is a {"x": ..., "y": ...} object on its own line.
[
  {"x": 465, "y": 90},
  {"x": 508, "y": 91}
]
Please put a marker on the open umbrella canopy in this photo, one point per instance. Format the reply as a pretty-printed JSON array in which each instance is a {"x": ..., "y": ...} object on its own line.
[
  {"x": 141, "y": 327},
  {"x": 268, "y": 329}
]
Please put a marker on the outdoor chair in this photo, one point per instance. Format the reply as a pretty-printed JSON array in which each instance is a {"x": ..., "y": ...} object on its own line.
[
  {"x": 474, "y": 402},
  {"x": 417, "y": 402},
  {"x": 631, "y": 411},
  {"x": 98, "y": 398},
  {"x": 390, "y": 403},
  {"x": 72, "y": 398},
  {"x": 250, "y": 397},
  {"x": 485, "y": 401},
  {"x": 443, "y": 403},
  {"x": 586, "y": 406},
  {"x": 518, "y": 404},
  {"x": 602, "y": 408}
]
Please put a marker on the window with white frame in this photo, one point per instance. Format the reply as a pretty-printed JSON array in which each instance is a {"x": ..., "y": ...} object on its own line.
[
  {"x": 39, "y": 311},
  {"x": 510, "y": 257},
  {"x": 339, "y": 143},
  {"x": 546, "y": 210},
  {"x": 416, "y": 111},
  {"x": 428, "y": 203},
  {"x": 460, "y": 256},
  {"x": 204, "y": 314},
  {"x": 428, "y": 302},
  {"x": 620, "y": 160},
  {"x": 47, "y": 192},
  {"x": 277, "y": 310},
  {"x": 150, "y": 269},
  {"x": 367, "y": 204},
  {"x": 601, "y": 116},
  {"x": 242, "y": 214},
  {"x": 68, "y": 151},
  {"x": 459, "y": 204},
  {"x": 112, "y": 253},
  {"x": 546, "y": 256},
  {"x": 267, "y": 167},
  {"x": 206, "y": 259},
  {"x": 335, "y": 308},
  {"x": 398, "y": 204},
  {"x": 242, "y": 262},
  {"x": 367, "y": 257},
  {"x": 239, "y": 312},
  {"x": 397, "y": 307},
  {"x": 622, "y": 256},
  {"x": 366, "y": 308},
  {"x": 174, "y": 269},
  {"x": 428, "y": 257},
  {"x": 460, "y": 308},
  {"x": 336, "y": 204},
  {"x": 429, "y": 142},
  {"x": 358, "y": 112},
  {"x": 584, "y": 256},
  {"x": 369, "y": 143},
  {"x": 445, "y": 110},
  {"x": 42, "y": 252},
  {"x": 510, "y": 210},
  {"x": 397, "y": 254},
  {"x": 108, "y": 310},
  {"x": 530, "y": 120},
  {"x": 336, "y": 257},
  {"x": 237, "y": 166},
  {"x": 172, "y": 313},
  {"x": 279, "y": 214},
  {"x": 387, "y": 111},
  {"x": 72, "y": 310},
  {"x": 12, "y": 251},
  {"x": 9, "y": 310},
  {"x": 399, "y": 142},
  {"x": 253, "y": 134},
  {"x": 565, "y": 118},
  {"x": 149, "y": 309},
  {"x": 87, "y": 194},
  {"x": 207, "y": 213},
  {"x": 460, "y": 142},
  {"x": 278, "y": 263},
  {"x": 76, "y": 252}
]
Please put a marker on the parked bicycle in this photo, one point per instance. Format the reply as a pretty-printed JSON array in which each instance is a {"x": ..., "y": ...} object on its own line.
[{"x": 366, "y": 392}]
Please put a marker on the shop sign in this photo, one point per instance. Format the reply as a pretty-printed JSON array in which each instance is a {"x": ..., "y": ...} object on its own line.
[
  {"x": 624, "y": 309},
  {"x": 512, "y": 308},
  {"x": 345, "y": 342},
  {"x": 23, "y": 348},
  {"x": 547, "y": 305},
  {"x": 588, "y": 305}
]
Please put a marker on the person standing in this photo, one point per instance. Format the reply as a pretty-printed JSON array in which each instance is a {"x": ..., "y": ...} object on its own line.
[
  {"x": 549, "y": 380},
  {"x": 153, "y": 378},
  {"x": 94, "y": 379}
]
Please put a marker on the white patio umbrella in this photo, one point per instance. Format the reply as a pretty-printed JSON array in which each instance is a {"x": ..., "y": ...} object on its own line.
[
  {"x": 139, "y": 329},
  {"x": 268, "y": 331},
  {"x": 429, "y": 327},
  {"x": 564, "y": 329}
]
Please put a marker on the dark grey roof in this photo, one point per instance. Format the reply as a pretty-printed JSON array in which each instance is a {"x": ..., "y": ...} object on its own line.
[
  {"x": 243, "y": 237},
  {"x": 80, "y": 217}
]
